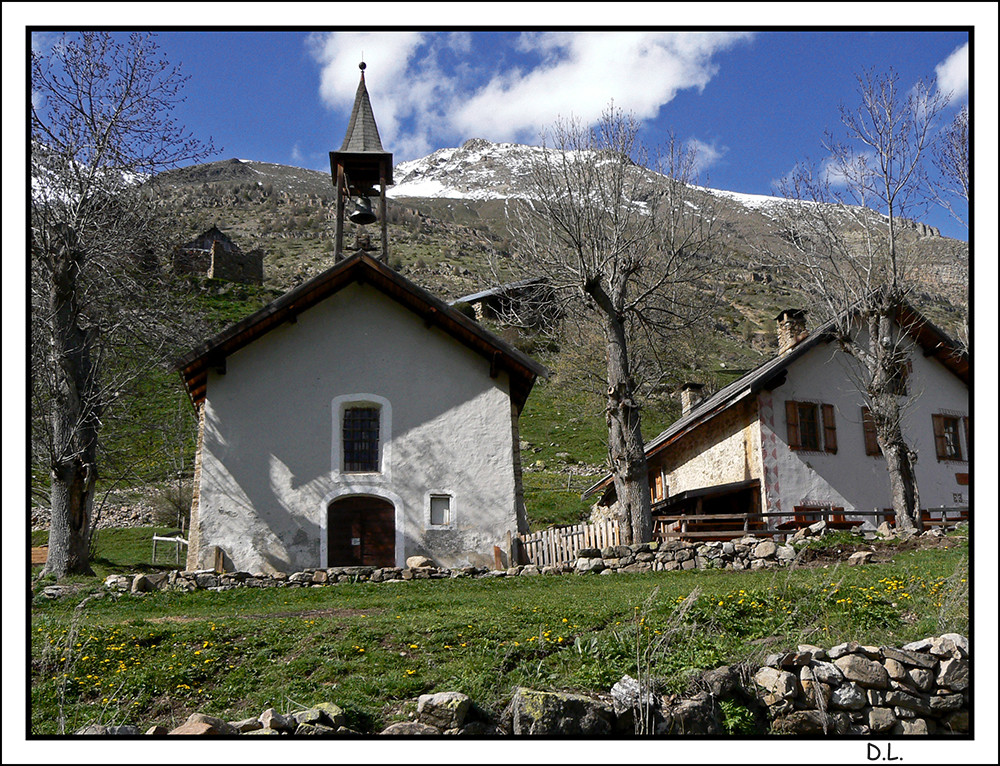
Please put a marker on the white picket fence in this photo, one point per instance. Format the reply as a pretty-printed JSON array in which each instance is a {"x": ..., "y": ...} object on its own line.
[{"x": 560, "y": 545}]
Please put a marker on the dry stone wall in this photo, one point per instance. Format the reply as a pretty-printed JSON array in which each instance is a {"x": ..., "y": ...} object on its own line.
[
  {"x": 747, "y": 552},
  {"x": 921, "y": 688}
]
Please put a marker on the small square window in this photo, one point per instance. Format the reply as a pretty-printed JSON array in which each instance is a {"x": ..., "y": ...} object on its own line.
[{"x": 440, "y": 510}]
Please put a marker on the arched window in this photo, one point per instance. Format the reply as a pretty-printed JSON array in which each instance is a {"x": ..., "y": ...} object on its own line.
[{"x": 361, "y": 439}]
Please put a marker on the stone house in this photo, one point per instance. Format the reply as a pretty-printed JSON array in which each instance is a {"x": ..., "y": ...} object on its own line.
[
  {"x": 356, "y": 420},
  {"x": 213, "y": 254},
  {"x": 793, "y": 437}
]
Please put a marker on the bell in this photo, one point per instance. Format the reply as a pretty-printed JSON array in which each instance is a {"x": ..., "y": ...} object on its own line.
[{"x": 363, "y": 214}]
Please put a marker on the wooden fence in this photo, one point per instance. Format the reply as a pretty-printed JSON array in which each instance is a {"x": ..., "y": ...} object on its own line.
[{"x": 559, "y": 545}]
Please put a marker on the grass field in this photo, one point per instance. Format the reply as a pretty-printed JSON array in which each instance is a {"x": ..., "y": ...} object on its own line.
[{"x": 374, "y": 648}]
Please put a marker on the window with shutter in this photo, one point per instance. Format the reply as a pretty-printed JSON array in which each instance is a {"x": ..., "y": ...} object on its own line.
[
  {"x": 829, "y": 429},
  {"x": 792, "y": 418},
  {"x": 871, "y": 440},
  {"x": 899, "y": 384},
  {"x": 946, "y": 437},
  {"x": 656, "y": 493},
  {"x": 804, "y": 426}
]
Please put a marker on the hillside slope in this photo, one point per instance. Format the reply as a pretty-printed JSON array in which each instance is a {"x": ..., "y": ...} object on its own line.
[{"x": 446, "y": 216}]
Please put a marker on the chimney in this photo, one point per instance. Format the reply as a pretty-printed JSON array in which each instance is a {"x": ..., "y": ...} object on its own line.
[
  {"x": 690, "y": 396},
  {"x": 791, "y": 329}
]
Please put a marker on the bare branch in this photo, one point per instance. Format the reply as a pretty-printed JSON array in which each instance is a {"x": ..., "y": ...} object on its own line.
[{"x": 103, "y": 315}]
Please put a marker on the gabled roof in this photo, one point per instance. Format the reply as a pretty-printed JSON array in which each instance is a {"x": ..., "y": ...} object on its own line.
[
  {"x": 522, "y": 369},
  {"x": 214, "y": 234},
  {"x": 772, "y": 373}
]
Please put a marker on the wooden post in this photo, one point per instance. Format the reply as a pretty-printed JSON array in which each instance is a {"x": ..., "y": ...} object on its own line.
[
  {"x": 338, "y": 251},
  {"x": 385, "y": 222}
]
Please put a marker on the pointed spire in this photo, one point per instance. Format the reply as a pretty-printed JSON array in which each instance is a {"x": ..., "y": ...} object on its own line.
[{"x": 362, "y": 132}]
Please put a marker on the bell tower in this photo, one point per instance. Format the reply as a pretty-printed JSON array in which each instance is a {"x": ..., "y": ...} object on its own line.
[{"x": 358, "y": 168}]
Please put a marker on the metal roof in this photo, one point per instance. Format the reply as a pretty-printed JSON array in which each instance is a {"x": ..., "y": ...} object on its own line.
[{"x": 500, "y": 290}]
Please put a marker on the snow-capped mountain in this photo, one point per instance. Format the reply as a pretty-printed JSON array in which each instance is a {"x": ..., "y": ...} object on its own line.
[
  {"x": 483, "y": 170},
  {"x": 478, "y": 170}
]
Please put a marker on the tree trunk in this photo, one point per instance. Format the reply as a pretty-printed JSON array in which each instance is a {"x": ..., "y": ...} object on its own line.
[
  {"x": 899, "y": 458},
  {"x": 905, "y": 497},
  {"x": 75, "y": 423},
  {"x": 70, "y": 528},
  {"x": 625, "y": 446}
]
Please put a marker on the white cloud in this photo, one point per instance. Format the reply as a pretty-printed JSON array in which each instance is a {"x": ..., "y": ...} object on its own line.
[
  {"x": 297, "y": 156},
  {"x": 581, "y": 72},
  {"x": 848, "y": 171},
  {"x": 428, "y": 86},
  {"x": 953, "y": 73},
  {"x": 705, "y": 154}
]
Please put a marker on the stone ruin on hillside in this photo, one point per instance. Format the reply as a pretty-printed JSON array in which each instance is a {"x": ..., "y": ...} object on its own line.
[{"x": 215, "y": 255}]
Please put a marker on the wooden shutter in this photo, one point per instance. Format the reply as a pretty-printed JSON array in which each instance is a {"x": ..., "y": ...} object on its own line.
[
  {"x": 792, "y": 417},
  {"x": 829, "y": 429},
  {"x": 871, "y": 440},
  {"x": 968, "y": 438},
  {"x": 940, "y": 445}
]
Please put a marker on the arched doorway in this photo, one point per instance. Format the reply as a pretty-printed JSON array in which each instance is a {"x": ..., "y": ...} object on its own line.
[{"x": 361, "y": 531}]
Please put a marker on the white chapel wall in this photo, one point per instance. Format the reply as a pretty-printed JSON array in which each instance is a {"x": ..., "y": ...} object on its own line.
[{"x": 269, "y": 438}]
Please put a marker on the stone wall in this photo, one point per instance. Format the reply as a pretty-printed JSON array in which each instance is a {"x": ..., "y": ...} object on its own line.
[
  {"x": 747, "y": 552},
  {"x": 219, "y": 262},
  {"x": 921, "y": 688},
  {"x": 237, "y": 266}
]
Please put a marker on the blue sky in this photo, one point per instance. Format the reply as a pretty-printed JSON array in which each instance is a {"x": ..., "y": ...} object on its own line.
[{"x": 754, "y": 103}]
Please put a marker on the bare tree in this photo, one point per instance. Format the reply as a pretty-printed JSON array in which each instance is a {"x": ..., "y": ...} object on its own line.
[
  {"x": 100, "y": 128},
  {"x": 952, "y": 160},
  {"x": 848, "y": 250},
  {"x": 624, "y": 247}
]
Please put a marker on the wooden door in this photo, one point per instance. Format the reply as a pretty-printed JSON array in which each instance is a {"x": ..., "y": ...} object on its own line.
[{"x": 361, "y": 531}]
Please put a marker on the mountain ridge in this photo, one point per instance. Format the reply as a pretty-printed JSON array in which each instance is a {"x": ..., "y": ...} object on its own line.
[{"x": 447, "y": 215}]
